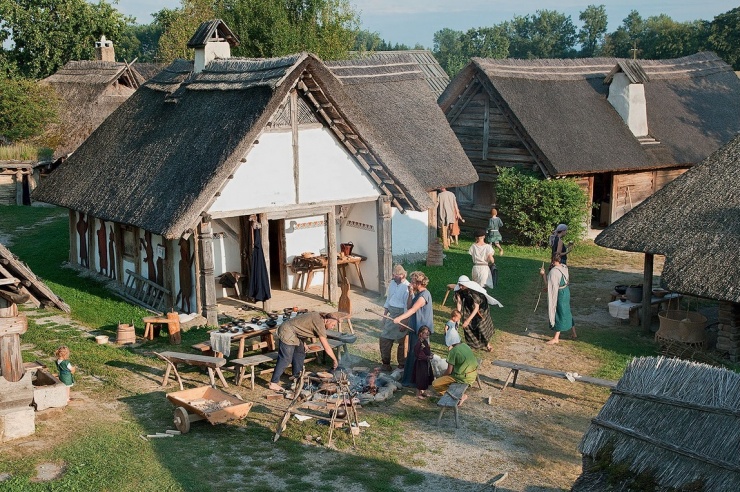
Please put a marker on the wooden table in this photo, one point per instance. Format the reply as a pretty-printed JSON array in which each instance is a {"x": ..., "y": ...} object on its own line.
[
  {"x": 266, "y": 343},
  {"x": 631, "y": 310},
  {"x": 213, "y": 364},
  {"x": 305, "y": 267}
]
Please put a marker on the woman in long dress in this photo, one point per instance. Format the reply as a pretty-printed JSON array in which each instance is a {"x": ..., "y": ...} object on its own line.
[
  {"x": 558, "y": 299},
  {"x": 482, "y": 254},
  {"x": 419, "y": 313},
  {"x": 474, "y": 304},
  {"x": 422, "y": 375}
]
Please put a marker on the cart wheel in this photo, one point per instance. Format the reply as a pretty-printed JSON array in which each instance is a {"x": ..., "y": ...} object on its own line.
[
  {"x": 182, "y": 421},
  {"x": 281, "y": 426}
]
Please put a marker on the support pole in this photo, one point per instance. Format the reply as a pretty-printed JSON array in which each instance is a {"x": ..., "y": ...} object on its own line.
[
  {"x": 209, "y": 309},
  {"x": 331, "y": 252},
  {"x": 647, "y": 292},
  {"x": 385, "y": 253}
]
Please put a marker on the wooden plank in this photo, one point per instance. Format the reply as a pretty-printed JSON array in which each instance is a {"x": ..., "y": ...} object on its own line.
[
  {"x": 331, "y": 252},
  {"x": 73, "y": 256},
  {"x": 385, "y": 250},
  {"x": 194, "y": 360},
  {"x": 294, "y": 140},
  {"x": 486, "y": 128},
  {"x": 556, "y": 374},
  {"x": 15, "y": 325}
]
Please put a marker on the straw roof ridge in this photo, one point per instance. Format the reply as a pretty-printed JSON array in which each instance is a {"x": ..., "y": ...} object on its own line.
[
  {"x": 697, "y": 444},
  {"x": 171, "y": 77},
  {"x": 243, "y": 73},
  {"x": 695, "y": 221},
  {"x": 433, "y": 72},
  {"x": 211, "y": 29}
]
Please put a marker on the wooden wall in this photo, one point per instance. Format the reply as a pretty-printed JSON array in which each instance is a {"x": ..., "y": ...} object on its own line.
[{"x": 631, "y": 189}]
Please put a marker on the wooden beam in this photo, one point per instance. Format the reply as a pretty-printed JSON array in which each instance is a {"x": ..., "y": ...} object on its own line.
[
  {"x": 486, "y": 126},
  {"x": 15, "y": 325},
  {"x": 385, "y": 252},
  {"x": 73, "y": 256},
  {"x": 647, "y": 293},
  {"x": 209, "y": 308},
  {"x": 294, "y": 135},
  {"x": 331, "y": 252}
]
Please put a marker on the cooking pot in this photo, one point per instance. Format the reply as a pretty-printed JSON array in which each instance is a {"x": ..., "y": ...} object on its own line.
[
  {"x": 620, "y": 289},
  {"x": 346, "y": 248},
  {"x": 634, "y": 293}
]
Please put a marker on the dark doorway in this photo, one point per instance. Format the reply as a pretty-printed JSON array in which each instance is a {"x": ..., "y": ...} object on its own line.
[
  {"x": 277, "y": 253},
  {"x": 601, "y": 212}
]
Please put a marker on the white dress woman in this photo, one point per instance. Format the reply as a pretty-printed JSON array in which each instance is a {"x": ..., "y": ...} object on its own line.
[{"x": 482, "y": 254}]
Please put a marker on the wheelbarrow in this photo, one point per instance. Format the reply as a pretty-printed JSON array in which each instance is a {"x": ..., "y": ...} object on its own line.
[{"x": 206, "y": 403}]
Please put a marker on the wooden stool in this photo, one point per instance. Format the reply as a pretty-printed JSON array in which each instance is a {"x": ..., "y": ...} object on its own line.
[
  {"x": 173, "y": 326},
  {"x": 451, "y": 399},
  {"x": 450, "y": 288},
  {"x": 344, "y": 317}
]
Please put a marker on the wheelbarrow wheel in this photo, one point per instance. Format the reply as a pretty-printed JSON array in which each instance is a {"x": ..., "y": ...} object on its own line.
[{"x": 182, "y": 420}]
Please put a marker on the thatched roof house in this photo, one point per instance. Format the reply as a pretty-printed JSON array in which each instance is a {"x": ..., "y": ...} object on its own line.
[
  {"x": 669, "y": 425},
  {"x": 279, "y": 139},
  {"x": 695, "y": 222},
  {"x": 622, "y": 128}
]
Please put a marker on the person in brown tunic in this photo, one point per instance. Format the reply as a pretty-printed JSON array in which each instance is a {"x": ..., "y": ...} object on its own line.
[{"x": 292, "y": 342}]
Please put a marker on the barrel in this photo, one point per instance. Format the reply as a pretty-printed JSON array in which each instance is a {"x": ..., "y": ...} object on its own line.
[{"x": 125, "y": 334}]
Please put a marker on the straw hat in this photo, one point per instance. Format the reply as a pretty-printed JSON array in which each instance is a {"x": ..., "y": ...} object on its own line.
[{"x": 466, "y": 282}]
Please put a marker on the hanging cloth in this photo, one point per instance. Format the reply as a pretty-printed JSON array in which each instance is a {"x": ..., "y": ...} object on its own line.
[{"x": 259, "y": 278}]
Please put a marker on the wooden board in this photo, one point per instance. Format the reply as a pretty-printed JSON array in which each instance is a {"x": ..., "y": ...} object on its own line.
[{"x": 15, "y": 325}]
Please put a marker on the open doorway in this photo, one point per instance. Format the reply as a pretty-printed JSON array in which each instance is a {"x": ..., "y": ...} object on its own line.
[
  {"x": 278, "y": 274},
  {"x": 601, "y": 212}
]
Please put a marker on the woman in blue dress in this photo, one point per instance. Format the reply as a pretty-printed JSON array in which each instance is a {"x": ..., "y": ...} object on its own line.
[
  {"x": 557, "y": 245},
  {"x": 419, "y": 313}
]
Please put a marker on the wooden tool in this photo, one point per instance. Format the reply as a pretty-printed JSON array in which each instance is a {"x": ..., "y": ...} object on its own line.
[{"x": 387, "y": 317}]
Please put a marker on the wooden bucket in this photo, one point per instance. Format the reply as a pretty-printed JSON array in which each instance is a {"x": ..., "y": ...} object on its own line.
[{"x": 125, "y": 334}]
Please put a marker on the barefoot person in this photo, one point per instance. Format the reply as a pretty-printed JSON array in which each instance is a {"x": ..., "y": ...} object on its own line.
[
  {"x": 422, "y": 375},
  {"x": 419, "y": 313},
  {"x": 293, "y": 336},
  {"x": 558, "y": 299},
  {"x": 396, "y": 303},
  {"x": 493, "y": 235},
  {"x": 462, "y": 368}
]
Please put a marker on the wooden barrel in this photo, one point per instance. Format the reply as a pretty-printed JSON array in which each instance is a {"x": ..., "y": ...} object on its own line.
[{"x": 125, "y": 334}]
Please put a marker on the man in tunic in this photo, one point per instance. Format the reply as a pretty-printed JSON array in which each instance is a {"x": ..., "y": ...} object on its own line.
[
  {"x": 462, "y": 368},
  {"x": 395, "y": 304},
  {"x": 293, "y": 336},
  {"x": 448, "y": 214}
]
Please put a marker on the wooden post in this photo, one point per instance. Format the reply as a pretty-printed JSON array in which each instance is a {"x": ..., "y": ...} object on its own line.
[
  {"x": 265, "y": 237},
  {"x": 92, "y": 243},
  {"x": 171, "y": 256},
  {"x": 385, "y": 252},
  {"x": 331, "y": 252},
  {"x": 486, "y": 128},
  {"x": 196, "y": 267},
  {"x": 74, "y": 258},
  {"x": 209, "y": 309},
  {"x": 433, "y": 219},
  {"x": 647, "y": 292},
  {"x": 11, "y": 327},
  {"x": 294, "y": 127},
  {"x": 118, "y": 245},
  {"x": 19, "y": 187}
]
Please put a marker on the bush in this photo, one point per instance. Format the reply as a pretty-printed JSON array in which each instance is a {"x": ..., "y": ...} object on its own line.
[
  {"x": 534, "y": 206},
  {"x": 26, "y": 108}
]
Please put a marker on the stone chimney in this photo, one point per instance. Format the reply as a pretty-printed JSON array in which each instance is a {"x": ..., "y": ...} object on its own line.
[
  {"x": 212, "y": 40},
  {"x": 104, "y": 50},
  {"x": 627, "y": 96}
]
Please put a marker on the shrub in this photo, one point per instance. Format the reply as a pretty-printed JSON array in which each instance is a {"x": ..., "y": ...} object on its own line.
[
  {"x": 26, "y": 108},
  {"x": 535, "y": 206}
]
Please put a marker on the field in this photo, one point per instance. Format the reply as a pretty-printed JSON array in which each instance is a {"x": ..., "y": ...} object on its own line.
[{"x": 530, "y": 432}]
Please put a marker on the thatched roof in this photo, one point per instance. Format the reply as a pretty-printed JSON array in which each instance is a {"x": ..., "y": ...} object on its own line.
[
  {"x": 433, "y": 72},
  {"x": 674, "y": 421},
  {"x": 25, "y": 284},
  {"x": 89, "y": 91},
  {"x": 693, "y": 108},
  {"x": 695, "y": 222},
  {"x": 212, "y": 30},
  {"x": 148, "y": 70},
  {"x": 394, "y": 96},
  {"x": 130, "y": 170}
]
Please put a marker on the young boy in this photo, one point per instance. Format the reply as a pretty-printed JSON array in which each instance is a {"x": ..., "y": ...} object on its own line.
[{"x": 451, "y": 327}]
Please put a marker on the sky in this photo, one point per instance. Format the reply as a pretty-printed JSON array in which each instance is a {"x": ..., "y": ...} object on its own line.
[{"x": 415, "y": 21}]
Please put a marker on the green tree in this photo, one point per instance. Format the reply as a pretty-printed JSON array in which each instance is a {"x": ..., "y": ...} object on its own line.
[
  {"x": 622, "y": 41},
  {"x": 724, "y": 37},
  {"x": 26, "y": 108},
  {"x": 546, "y": 34},
  {"x": 448, "y": 50},
  {"x": 367, "y": 41},
  {"x": 46, "y": 34},
  {"x": 454, "y": 49},
  {"x": 179, "y": 25},
  {"x": 591, "y": 35},
  {"x": 269, "y": 28}
]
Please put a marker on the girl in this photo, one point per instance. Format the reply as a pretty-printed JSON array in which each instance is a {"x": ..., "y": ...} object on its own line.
[
  {"x": 494, "y": 236},
  {"x": 451, "y": 326},
  {"x": 65, "y": 368},
  {"x": 558, "y": 299},
  {"x": 423, "y": 375}
]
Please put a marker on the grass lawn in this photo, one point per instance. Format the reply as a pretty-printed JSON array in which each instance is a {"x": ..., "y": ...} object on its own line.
[{"x": 110, "y": 454}]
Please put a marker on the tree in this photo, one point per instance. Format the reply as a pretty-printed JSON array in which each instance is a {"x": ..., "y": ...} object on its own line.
[
  {"x": 448, "y": 50},
  {"x": 26, "y": 108},
  {"x": 46, "y": 34},
  {"x": 621, "y": 42},
  {"x": 453, "y": 49},
  {"x": 724, "y": 37},
  {"x": 178, "y": 26},
  {"x": 546, "y": 34},
  {"x": 591, "y": 35},
  {"x": 268, "y": 28}
]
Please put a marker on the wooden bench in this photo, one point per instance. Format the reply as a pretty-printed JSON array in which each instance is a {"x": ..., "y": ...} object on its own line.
[
  {"x": 452, "y": 398},
  {"x": 252, "y": 361},
  {"x": 204, "y": 347},
  {"x": 213, "y": 364},
  {"x": 516, "y": 367}
]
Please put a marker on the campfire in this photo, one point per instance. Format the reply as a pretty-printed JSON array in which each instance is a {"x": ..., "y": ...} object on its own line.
[{"x": 365, "y": 385}]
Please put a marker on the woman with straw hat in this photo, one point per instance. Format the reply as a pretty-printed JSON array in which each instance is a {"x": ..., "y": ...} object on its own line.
[{"x": 474, "y": 303}]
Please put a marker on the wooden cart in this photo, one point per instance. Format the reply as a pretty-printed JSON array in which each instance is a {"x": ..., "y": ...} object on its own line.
[{"x": 206, "y": 403}]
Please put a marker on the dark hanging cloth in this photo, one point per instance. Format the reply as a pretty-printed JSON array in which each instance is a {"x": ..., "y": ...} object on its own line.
[
  {"x": 494, "y": 274},
  {"x": 259, "y": 279}
]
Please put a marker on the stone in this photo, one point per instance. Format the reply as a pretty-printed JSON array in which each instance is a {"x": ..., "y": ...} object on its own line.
[
  {"x": 49, "y": 392},
  {"x": 16, "y": 423}
]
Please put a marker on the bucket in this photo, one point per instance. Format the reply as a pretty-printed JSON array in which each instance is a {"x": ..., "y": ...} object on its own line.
[
  {"x": 125, "y": 334},
  {"x": 101, "y": 339},
  {"x": 634, "y": 293}
]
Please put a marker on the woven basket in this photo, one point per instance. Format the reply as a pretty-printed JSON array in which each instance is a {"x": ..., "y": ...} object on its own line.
[{"x": 682, "y": 326}]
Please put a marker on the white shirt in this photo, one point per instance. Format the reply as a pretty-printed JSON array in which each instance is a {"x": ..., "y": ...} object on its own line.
[{"x": 398, "y": 294}]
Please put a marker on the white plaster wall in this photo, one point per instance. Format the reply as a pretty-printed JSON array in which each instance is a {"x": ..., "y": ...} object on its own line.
[
  {"x": 127, "y": 265},
  {"x": 226, "y": 255},
  {"x": 356, "y": 229},
  {"x": 212, "y": 49},
  {"x": 409, "y": 232},
  {"x": 299, "y": 239},
  {"x": 264, "y": 180},
  {"x": 176, "y": 268},
  {"x": 327, "y": 171},
  {"x": 629, "y": 101}
]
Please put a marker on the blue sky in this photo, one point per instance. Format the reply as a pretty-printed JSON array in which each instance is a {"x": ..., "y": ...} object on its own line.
[{"x": 415, "y": 21}]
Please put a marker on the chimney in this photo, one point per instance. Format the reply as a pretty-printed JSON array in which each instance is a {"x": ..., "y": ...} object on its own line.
[
  {"x": 210, "y": 51},
  {"x": 213, "y": 39},
  {"x": 104, "y": 50},
  {"x": 627, "y": 95}
]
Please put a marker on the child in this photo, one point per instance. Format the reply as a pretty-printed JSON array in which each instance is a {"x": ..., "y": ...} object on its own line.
[
  {"x": 455, "y": 230},
  {"x": 65, "y": 368},
  {"x": 494, "y": 236},
  {"x": 422, "y": 375},
  {"x": 451, "y": 326}
]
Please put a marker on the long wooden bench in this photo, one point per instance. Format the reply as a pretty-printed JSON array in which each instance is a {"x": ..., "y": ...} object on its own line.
[
  {"x": 252, "y": 361},
  {"x": 213, "y": 364},
  {"x": 573, "y": 377}
]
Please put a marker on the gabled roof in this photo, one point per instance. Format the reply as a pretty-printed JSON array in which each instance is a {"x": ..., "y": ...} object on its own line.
[
  {"x": 693, "y": 108},
  {"x": 89, "y": 91},
  {"x": 201, "y": 125},
  {"x": 24, "y": 284},
  {"x": 212, "y": 30},
  {"x": 394, "y": 96},
  {"x": 695, "y": 222},
  {"x": 433, "y": 72},
  {"x": 675, "y": 422}
]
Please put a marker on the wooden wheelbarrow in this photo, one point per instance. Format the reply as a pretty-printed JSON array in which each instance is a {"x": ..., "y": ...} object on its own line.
[{"x": 206, "y": 403}]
